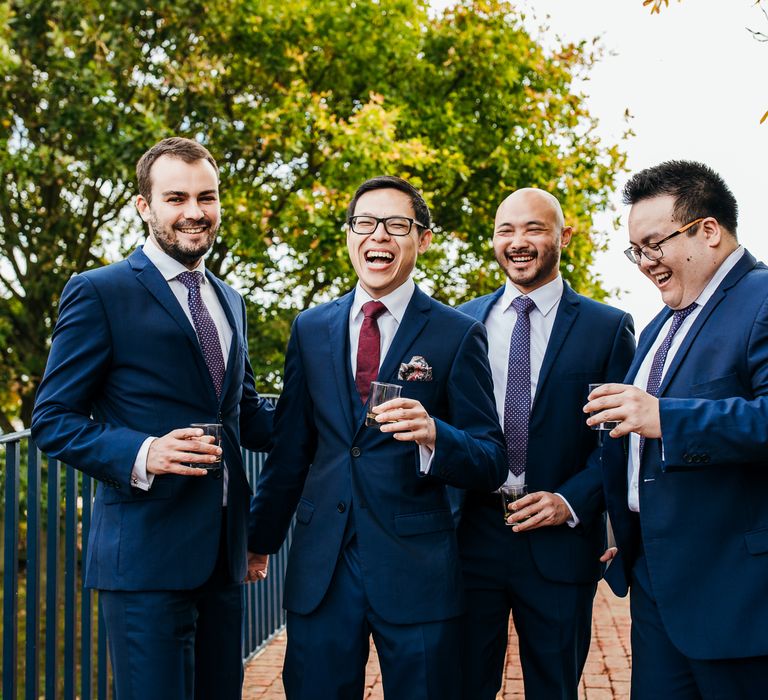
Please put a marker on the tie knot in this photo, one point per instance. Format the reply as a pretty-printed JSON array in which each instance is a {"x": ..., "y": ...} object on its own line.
[
  {"x": 373, "y": 309},
  {"x": 523, "y": 305},
  {"x": 191, "y": 280},
  {"x": 681, "y": 314}
]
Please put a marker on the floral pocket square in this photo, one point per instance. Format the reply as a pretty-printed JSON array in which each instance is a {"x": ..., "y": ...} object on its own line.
[{"x": 417, "y": 370}]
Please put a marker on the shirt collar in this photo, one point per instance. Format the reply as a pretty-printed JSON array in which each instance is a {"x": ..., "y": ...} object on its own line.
[
  {"x": 727, "y": 265},
  {"x": 396, "y": 302},
  {"x": 168, "y": 267},
  {"x": 545, "y": 297}
]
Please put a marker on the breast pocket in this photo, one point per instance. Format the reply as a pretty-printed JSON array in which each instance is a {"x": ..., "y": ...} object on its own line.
[{"x": 719, "y": 388}]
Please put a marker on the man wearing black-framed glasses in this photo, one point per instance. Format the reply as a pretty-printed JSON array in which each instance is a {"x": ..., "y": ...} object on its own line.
[
  {"x": 687, "y": 485},
  {"x": 374, "y": 550}
]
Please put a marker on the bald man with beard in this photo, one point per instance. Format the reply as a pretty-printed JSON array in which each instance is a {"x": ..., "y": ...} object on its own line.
[{"x": 541, "y": 562}]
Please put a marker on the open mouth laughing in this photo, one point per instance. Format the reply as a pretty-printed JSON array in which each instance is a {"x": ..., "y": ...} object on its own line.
[{"x": 378, "y": 259}]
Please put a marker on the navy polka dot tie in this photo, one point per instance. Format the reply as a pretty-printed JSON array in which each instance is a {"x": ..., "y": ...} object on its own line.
[
  {"x": 657, "y": 366},
  {"x": 517, "y": 401},
  {"x": 205, "y": 328}
]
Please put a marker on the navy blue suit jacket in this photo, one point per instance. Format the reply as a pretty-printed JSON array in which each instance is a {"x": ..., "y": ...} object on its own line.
[
  {"x": 704, "y": 505},
  {"x": 125, "y": 363},
  {"x": 590, "y": 342},
  {"x": 326, "y": 462}
]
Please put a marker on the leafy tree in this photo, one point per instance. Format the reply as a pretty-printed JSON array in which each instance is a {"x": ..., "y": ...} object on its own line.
[{"x": 300, "y": 101}]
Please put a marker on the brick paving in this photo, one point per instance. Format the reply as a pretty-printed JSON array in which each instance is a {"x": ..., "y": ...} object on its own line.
[{"x": 606, "y": 674}]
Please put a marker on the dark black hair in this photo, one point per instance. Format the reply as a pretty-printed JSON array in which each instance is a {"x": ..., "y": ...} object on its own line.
[
  {"x": 698, "y": 191},
  {"x": 390, "y": 182}
]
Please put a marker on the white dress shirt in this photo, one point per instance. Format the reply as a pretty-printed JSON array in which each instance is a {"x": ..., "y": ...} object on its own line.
[
  {"x": 641, "y": 379},
  {"x": 500, "y": 323},
  {"x": 389, "y": 321},
  {"x": 170, "y": 269}
]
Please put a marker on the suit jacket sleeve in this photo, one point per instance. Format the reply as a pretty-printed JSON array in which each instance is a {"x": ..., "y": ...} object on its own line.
[
  {"x": 698, "y": 432},
  {"x": 584, "y": 490},
  {"x": 62, "y": 425},
  {"x": 469, "y": 449},
  {"x": 256, "y": 413},
  {"x": 282, "y": 479}
]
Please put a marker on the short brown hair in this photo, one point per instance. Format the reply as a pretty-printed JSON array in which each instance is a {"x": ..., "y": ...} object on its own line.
[{"x": 176, "y": 147}]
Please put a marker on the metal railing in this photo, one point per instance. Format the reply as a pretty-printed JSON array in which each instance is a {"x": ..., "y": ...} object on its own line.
[{"x": 53, "y": 636}]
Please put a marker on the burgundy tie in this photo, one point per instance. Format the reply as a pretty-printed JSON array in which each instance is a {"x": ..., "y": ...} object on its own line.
[{"x": 368, "y": 348}]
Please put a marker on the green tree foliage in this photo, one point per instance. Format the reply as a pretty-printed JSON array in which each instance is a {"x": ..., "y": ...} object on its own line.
[{"x": 300, "y": 101}]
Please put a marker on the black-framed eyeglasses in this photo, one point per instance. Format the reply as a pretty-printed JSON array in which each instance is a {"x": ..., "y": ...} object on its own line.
[
  {"x": 393, "y": 225},
  {"x": 653, "y": 251}
]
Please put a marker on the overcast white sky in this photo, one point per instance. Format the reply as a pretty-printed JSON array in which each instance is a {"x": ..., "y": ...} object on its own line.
[{"x": 695, "y": 82}]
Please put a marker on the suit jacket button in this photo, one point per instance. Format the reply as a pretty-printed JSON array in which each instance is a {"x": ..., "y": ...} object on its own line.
[
  {"x": 341, "y": 507},
  {"x": 355, "y": 451}
]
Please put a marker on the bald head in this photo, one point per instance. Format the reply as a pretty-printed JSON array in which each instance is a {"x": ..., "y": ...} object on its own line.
[
  {"x": 534, "y": 200},
  {"x": 528, "y": 235}
]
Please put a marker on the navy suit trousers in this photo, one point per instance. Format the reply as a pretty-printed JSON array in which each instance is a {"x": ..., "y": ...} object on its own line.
[
  {"x": 183, "y": 644},
  {"x": 660, "y": 670},
  {"x": 328, "y": 649}
]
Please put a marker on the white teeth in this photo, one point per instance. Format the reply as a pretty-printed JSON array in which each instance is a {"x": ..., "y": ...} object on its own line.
[
  {"x": 379, "y": 254},
  {"x": 196, "y": 229},
  {"x": 521, "y": 258},
  {"x": 660, "y": 279}
]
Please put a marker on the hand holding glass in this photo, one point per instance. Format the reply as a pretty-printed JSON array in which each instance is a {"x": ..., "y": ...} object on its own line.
[
  {"x": 213, "y": 429},
  {"x": 380, "y": 393},
  {"x": 605, "y": 425},
  {"x": 510, "y": 494}
]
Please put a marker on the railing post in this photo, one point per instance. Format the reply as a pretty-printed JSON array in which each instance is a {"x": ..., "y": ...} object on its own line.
[
  {"x": 11, "y": 571},
  {"x": 70, "y": 582},
  {"x": 52, "y": 579},
  {"x": 32, "y": 676},
  {"x": 86, "y": 599}
]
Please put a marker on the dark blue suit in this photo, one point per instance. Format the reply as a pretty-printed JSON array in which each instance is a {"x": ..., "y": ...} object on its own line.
[
  {"x": 368, "y": 523},
  {"x": 125, "y": 363},
  {"x": 547, "y": 576},
  {"x": 697, "y": 555}
]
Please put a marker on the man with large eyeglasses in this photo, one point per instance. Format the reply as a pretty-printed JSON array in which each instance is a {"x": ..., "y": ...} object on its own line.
[
  {"x": 686, "y": 480},
  {"x": 374, "y": 549}
]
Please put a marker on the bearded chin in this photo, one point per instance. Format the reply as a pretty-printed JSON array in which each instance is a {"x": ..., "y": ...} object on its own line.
[{"x": 186, "y": 256}]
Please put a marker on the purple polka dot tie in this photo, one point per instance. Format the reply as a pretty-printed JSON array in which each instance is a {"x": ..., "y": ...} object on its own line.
[
  {"x": 205, "y": 328},
  {"x": 517, "y": 401},
  {"x": 657, "y": 366}
]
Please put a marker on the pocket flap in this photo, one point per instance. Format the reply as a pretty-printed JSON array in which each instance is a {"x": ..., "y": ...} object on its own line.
[
  {"x": 757, "y": 541},
  {"x": 304, "y": 512},
  {"x": 423, "y": 523}
]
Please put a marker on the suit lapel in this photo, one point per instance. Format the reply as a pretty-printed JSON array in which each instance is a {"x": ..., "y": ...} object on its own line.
[
  {"x": 149, "y": 276},
  {"x": 567, "y": 312},
  {"x": 744, "y": 265},
  {"x": 646, "y": 342},
  {"x": 338, "y": 330},
  {"x": 484, "y": 305},
  {"x": 414, "y": 320}
]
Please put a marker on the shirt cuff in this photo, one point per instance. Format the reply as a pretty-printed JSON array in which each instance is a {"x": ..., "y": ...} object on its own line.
[
  {"x": 425, "y": 459},
  {"x": 139, "y": 477},
  {"x": 573, "y": 521}
]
